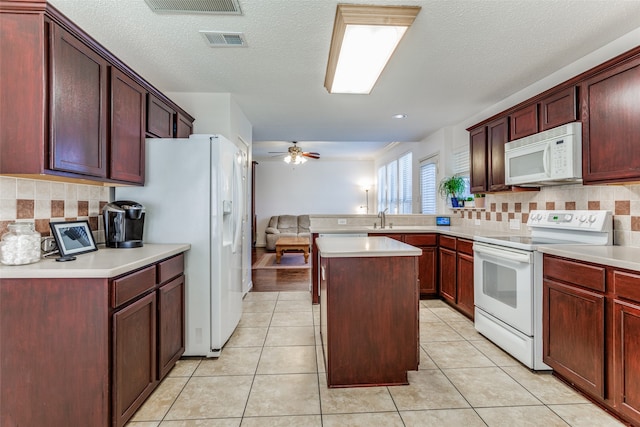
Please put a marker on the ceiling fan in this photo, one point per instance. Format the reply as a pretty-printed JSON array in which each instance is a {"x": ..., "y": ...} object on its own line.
[{"x": 295, "y": 155}]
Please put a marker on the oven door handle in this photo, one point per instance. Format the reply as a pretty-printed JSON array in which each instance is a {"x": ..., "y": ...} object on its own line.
[{"x": 511, "y": 256}]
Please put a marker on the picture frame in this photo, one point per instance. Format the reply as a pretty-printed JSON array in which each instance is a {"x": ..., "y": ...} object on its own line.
[{"x": 73, "y": 237}]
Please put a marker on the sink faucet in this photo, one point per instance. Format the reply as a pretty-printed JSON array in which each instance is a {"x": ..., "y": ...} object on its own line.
[{"x": 383, "y": 217}]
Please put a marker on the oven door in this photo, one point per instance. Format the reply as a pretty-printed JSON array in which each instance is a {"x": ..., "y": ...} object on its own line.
[{"x": 503, "y": 284}]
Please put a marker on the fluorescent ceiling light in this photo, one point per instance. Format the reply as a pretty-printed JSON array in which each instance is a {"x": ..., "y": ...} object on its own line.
[{"x": 364, "y": 38}]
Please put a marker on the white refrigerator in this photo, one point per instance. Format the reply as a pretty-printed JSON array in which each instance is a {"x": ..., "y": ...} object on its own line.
[{"x": 194, "y": 193}]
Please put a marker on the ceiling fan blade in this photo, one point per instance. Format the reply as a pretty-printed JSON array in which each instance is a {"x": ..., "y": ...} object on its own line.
[
  {"x": 312, "y": 155},
  {"x": 277, "y": 152}
]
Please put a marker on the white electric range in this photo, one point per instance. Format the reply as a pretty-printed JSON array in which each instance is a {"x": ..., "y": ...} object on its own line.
[{"x": 508, "y": 277}]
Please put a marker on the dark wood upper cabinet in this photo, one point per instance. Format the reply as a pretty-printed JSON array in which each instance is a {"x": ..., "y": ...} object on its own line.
[
  {"x": 160, "y": 118},
  {"x": 559, "y": 108},
  {"x": 184, "y": 126},
  {"x": 610, "y": 124},
  {"x": 78, "y": 111},
  {"x": 127, "y": 128},
  {"x": 524, "y": 122},
  {"x": 478, "y": 155},
  {"x": 497, "y": 136}
]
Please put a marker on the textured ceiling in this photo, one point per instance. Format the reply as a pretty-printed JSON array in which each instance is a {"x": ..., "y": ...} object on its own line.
[{"x": 460, "y": 57}]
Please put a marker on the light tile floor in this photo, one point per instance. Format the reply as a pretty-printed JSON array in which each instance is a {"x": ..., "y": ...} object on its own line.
[{"x": 271, "y": 373}]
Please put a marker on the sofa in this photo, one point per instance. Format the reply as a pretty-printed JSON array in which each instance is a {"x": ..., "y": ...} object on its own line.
[{"x": 286, "y": 226}]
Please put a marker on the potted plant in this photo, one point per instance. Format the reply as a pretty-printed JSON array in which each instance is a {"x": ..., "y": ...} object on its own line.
[
  {"x": 469, "y": 202},
  {"x": 451, "y": 187},
  {"x": 479, "y": 200}
]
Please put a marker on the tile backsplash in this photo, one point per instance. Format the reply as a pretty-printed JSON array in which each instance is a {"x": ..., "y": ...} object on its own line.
[
  {"x": 622, "y": 200},
  {"x": 46, "y": 201}
]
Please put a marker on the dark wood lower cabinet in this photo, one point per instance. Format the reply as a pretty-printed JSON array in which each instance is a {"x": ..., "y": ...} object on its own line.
[
  {"x": 369, "y": 319},
  {"x": 134, "y": 357},
  {"x": 591, "y": 329},
  {"x": 88, "y": 352},
  {"x": 171, "y": 325},
  {"x": 626, "y": 353},
  {"x": 574, "y": 339},
  {"x": 464, "y": 291},
  {"x": 448, "y": 271}
]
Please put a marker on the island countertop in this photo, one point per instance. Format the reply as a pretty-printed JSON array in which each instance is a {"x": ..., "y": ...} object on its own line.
[
  {"x": 351, "y": 247},
  {"x": 103, "y": 263}
]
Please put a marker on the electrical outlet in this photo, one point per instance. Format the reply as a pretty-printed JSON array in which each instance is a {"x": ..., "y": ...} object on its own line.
[
  {"x": 477, "y": 221},
  {"x": 342, "y": 221},
  {"x": 514, "y": 224}
]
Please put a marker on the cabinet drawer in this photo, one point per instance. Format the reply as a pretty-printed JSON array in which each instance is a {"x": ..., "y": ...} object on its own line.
[
  {"x": 420, "y": 239},
  {"x": 626, "y": 285},
  {"x": 170, "y": 268},
  {"x": 588, "y": 276},
  {"x": 448, "y": 242},
  {"x": 128, "y": 287},
  {"x": 465, "y": 246}
]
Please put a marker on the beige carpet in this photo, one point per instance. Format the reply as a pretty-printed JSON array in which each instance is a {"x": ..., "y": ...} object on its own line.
[{"x": 288, "y": 260}]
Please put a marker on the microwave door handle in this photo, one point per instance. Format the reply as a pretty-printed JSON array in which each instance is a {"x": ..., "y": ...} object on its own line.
[
  {"x": 545, "y": 160},
  {"x": 511, "y": 256}
]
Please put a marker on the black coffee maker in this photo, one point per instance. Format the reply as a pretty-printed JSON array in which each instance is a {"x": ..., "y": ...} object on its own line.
[{"x": 123, "y": 224}]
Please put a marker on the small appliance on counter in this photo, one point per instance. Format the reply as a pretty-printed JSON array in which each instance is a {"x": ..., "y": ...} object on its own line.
[{"x": 123, "y": 224}]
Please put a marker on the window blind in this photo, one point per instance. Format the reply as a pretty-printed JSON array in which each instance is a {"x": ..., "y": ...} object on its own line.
[
  {"x": 428, "y": 185},
  {"x": 404, "y": 184}
]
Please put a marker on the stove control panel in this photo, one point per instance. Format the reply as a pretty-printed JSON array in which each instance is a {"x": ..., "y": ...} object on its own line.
[{"x": 599, "y": 220}]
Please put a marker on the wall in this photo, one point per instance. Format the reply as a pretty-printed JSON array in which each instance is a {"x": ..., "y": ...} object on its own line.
[
  {"x": 317, "y": 187},
  {"x": 45, "y": 201}
]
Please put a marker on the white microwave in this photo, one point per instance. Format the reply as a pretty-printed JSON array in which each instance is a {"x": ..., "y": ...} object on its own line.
[{"x": 552, "y": 157}]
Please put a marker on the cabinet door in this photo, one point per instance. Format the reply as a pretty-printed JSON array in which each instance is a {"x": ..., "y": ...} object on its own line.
[
  {"x": 448, "y": 274},
  {"x": 78, "y": 107},
  {"x": 134, "y": 357},
  {"x": 524, "y": 122},
  {"x": 610, "y": 125},
  {"x": 184, "y": 126},
  {"x": 558, "y": 109},
  {"x": 497, "y": 134},
  {"x": 427, "y": 271},
  {"x": 626, "y": 347},
  {"x": 478, "y": 145},
  {"x": 464, "y": 290},
  {"x": 128, "y": 101},
  {"x": 170, "y": 325},
  {"x": 159, "y": 118},
  {"x": 573, "y": 330}
]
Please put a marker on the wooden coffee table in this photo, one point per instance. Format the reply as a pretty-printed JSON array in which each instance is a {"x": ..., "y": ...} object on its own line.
[{"x": 292, "y": 244}]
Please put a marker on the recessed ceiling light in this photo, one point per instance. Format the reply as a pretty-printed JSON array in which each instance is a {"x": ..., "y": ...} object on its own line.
[
  {"x": 399, "y": 116},
  {"x": 364, "y": 38}
]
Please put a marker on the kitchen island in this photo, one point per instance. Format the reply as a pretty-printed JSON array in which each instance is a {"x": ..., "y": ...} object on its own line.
[
  {"x": 369, "y": 308},
  {"x": 85, "y": 342}
]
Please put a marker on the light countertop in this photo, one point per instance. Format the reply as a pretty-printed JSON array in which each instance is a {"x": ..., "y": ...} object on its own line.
[
  {"x": 627, "y": 257},
  {"x": 103, "y": 263},
  {"x": 351, "y": 247},
  {"x": 455, "y": 231}
]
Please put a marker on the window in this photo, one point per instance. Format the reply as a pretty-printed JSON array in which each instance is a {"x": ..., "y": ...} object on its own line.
[
  {"x": 394, "y": 186},
  {"x": 461, "y": 168},
  {"x": 428, "y": 185},
  {"x": 405, "y": 198}
]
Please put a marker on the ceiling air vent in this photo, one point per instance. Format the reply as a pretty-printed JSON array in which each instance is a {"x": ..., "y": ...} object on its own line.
[
  {"x": 224, "y": 39},
  {"x": 223, "y": 7}
]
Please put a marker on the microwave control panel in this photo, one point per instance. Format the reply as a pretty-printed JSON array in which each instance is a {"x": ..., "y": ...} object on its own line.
[{"x": 559, "y": 158}]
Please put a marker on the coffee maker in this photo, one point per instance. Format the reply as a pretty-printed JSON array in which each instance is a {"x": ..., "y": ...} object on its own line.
[{"x": 123, "y": 224}]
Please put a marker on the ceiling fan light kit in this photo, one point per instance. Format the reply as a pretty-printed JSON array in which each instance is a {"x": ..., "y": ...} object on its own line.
[{"x": 296, "y": 156}]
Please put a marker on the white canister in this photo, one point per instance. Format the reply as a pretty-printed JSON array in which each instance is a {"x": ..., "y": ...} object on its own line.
[{"x": 20, "y": 245}]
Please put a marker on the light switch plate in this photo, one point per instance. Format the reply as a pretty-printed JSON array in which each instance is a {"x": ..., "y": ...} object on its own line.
[{"x": 514, "y": 224}]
